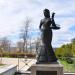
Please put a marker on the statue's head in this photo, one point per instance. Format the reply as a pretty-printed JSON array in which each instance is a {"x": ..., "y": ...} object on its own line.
[{"x": 46, "y": 13}]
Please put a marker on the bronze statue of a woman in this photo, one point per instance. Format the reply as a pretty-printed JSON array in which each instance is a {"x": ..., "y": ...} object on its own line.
[{"x": 47, "y": 54}]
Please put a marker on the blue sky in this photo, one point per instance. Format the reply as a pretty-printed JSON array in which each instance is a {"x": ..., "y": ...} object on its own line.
[{"x": 14, "y": 12}]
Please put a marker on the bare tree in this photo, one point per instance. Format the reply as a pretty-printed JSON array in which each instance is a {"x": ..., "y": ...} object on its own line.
[
  {"x": 24, "y": 34},
  {"x": 30, "y": 46},
  {"x": 38, "y": 44},
  {"x": 9, "y": 46},
  {"x": 20, "y": 46},
  {"x": 5, "y": 44}
]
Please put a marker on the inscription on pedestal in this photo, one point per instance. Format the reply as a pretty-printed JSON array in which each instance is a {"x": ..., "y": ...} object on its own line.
[{"x": 46, "y": 72}]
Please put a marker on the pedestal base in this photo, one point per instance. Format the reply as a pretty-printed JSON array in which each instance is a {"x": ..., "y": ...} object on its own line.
[{"x": 47, "y": 69}]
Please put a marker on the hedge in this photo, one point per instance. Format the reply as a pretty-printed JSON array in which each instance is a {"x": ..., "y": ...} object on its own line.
[{"x": 16, "y": 55}]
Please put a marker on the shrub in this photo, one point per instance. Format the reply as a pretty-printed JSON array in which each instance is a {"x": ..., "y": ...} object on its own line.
[{"x": 69, "y": 60}]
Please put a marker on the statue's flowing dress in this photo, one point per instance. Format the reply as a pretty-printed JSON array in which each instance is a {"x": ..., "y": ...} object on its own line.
[{"x": 47, "y": 53}]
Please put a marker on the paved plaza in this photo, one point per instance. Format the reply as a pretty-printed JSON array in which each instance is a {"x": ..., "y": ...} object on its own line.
[{"x": 22, "y": 63}]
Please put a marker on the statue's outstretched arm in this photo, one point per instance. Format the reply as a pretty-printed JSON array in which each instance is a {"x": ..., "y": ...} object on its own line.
[
  {"x": 54, "y": 25},
  {"x": 53, "y": 22}
]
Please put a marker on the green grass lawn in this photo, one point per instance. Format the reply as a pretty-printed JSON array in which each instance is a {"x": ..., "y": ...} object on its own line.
[{"x": 68, "y": 67}]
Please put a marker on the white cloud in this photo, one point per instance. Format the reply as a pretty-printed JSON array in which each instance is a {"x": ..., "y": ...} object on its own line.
[{"x": 14, "y": 12}]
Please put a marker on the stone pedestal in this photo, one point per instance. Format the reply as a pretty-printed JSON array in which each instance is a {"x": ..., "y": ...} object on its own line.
[{"x": 47, "y": 69}]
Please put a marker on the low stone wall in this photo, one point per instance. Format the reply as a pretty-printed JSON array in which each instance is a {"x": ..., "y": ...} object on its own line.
[
  {"x": 64, "y": 73},
  {"x": 8, "y": 70},
  {"x": 69, "y": 73}
]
